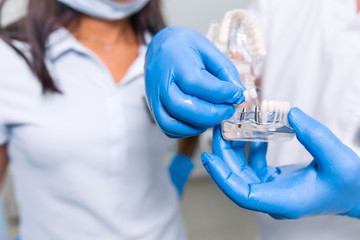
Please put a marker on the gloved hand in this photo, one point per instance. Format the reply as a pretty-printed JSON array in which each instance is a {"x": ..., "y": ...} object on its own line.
[
  {"x": 190, "y": 84},
  {"x": 180, "y": 169},
  {"x": 329, "y": 185}
]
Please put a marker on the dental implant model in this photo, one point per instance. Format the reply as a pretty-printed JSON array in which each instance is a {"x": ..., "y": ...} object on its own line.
[
  {"x": 238, "y": 37},
  {"x": 268, "y": 122}
]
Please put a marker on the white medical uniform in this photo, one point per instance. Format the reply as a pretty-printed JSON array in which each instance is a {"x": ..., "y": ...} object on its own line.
[
  {"x": 87, "y": 163},
  {"x": 313, "y": 62}
]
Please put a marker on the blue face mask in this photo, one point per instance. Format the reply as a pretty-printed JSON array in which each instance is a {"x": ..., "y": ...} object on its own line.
[{"x": 106, "y": 9}]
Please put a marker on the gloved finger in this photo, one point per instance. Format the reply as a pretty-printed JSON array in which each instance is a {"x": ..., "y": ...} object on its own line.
[
  {"x": 238, "y": 147},
  {"x": 257, "y": 161},
  {"x": 318, "y": 140},
  {"x": 218, "y": 64},
  {"x": 202, "y": 84},
  {"x": 231, "y": 184},
  {"x": 238, "y": 144},
  {"x": 172, "y": 127},
  {"x": 210, "y": 75},
  {"x": 291, "y": 196},
  {"x": 257, "y": 155},
  {"x": 282, "y": 198},
  {"x": 224, "y": 150},
  {"x": 234, "y": 158},
  {"x": 193, "y": 110}
]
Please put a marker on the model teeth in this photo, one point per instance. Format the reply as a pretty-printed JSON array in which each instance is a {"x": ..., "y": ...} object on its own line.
[
  {"x": 287, "y": 107},
  {"x": 250, "y": 94},
  {"x": 278, "y": 109},
  {"x": 271, "y": 106},
  {"x": 249, "y": 28},
  {"x": 264, "y": 105},
  {"x": 275, "y": 106}
]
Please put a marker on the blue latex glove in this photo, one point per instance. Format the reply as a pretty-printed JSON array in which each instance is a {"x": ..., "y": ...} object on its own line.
[
  {"x": 180, "y": 169},
  {"x": 329, "y": 185},
  {"x": 190, "y": 84}
]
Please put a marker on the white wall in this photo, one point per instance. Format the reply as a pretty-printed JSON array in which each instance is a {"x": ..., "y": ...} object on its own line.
[
  {"x": 198, "y": 13},
  {"x": 192, "y": 13},
  {"x": 13, "y": 10}
]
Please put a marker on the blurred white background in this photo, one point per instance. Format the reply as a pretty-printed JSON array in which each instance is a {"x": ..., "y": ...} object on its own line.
[{"x": 198, "y": 14}]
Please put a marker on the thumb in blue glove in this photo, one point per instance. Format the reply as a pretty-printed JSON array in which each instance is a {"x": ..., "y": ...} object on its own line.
[
  {"x": 329, "y": 185},
  {"x": 190, "y": 84}
]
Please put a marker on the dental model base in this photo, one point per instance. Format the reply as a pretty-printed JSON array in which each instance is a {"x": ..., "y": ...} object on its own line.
[
  {"x": 262, "y": 124},
  {"x": 239, "y": 38}
]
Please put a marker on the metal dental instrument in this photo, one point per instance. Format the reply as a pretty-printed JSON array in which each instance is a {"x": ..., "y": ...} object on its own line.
[
  {"x": 257, "y": 115},
  {"x": 242, "y": 116}
]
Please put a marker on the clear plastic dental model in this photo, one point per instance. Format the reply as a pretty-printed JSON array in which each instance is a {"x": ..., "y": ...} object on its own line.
[
  {"x": 238, "y": 37},
  {"x": 266, "y": 123}
]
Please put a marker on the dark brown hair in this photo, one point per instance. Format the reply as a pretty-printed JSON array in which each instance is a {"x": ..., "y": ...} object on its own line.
[{"x": 45, "y": 16}]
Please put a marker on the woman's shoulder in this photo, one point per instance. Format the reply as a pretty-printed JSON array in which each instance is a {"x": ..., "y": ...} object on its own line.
[
  {"x": 8, "y": 55},
  {"x": 11, "y": 62},
  {"x": 14, "y": 70}
]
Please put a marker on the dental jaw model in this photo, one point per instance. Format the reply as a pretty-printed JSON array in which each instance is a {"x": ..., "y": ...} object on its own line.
[
  {"x": 238, "y": 37},
  {"x": 268, "y": 122}
]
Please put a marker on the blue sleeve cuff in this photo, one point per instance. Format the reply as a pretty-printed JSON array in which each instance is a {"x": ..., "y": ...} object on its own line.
[{"x": 180, "y": 169}]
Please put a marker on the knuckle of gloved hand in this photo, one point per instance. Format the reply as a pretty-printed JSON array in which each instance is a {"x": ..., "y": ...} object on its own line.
[
  {"x": 175, "y": 35},
  {"x": 190, "y": 80},
  {"x": 314, "y": 131},
  {"x": 150, "y": 69},
  {"x": 224, "y": 70},
  {"x": 165, "y": 125},
  {"x": 215, "y": 115},
  {"x": 350, "y": 171},
  {"x": 165, "y": 49},
  {"x": 229, "y": 73},
  {"x": 345, "y": 165},
  {"x": 185, "y": 33}
]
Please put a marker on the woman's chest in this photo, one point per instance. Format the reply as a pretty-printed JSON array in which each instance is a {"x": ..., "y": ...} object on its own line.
[{"x": 87, "y": 124}]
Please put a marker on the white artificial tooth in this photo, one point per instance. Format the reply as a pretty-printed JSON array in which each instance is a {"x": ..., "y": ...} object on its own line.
[
  {"x": 255, "y": 44},
  {"x": 251, "y": 25},
  {"x": 251, "y": 20},
  {"x": 279, "y": 103},
  {"x": 264, "y": 111},
  {"x": 287, "y": 107},
  {"x": 276, "y": 111},
  {"x": 225, "y": 28},
  {"x": 271, "y": 106},
  {"x": 259, "y": 52},
  {"x": 259, "y": 45},
  {"x": 282, "y": 112},
  {"x": 241, "y": 14},
  {"x": 277, "y": 106},
  {"x": 262, "y": 52},
  {"x": 252, "y": 93},
  {"x": 223, "y": 35},
  {"x": 246, "y": 95},
  {"x": 282, "y": 107},
  {"x": 256, "y": 35},
  {"x": 264, "y": 105}
]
